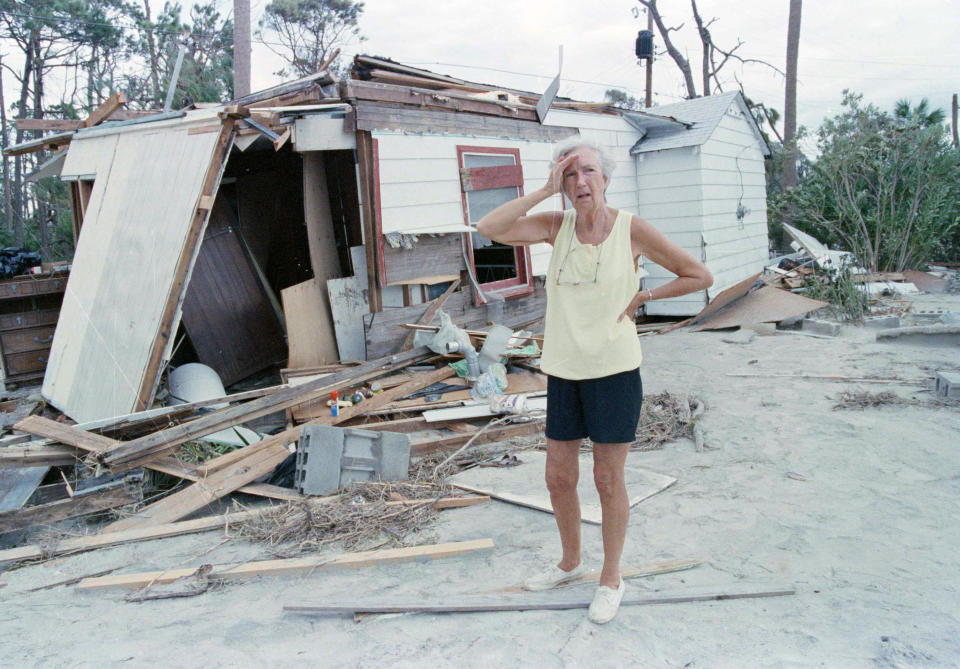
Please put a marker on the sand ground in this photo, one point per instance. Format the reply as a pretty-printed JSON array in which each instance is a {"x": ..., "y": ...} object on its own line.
[{"x": 869, "y": 539}]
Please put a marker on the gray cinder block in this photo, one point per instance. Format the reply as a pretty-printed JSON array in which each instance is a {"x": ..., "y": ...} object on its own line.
[
  {"x": 948, "y": 384},
  {"x": 881, "y": 322},
  {"x": 328, "y": 458},
  {"x": 824, "y": 328}
]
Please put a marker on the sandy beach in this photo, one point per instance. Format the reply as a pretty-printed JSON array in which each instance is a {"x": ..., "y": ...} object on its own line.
[{"x": 854, "y": 509}]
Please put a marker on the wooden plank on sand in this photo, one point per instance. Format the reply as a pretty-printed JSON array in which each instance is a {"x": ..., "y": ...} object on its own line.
[
  {"x": 289, "y": 566},
  {"x": 529, "y": 602},
  {"x": 80, "y": 544}
]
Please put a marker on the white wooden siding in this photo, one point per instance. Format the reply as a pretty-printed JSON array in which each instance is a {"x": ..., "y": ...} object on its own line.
[
  {"x": 420, "y": 178},
  {"x": 733, "y": 171},
  {"x": 670, "y": 195}
]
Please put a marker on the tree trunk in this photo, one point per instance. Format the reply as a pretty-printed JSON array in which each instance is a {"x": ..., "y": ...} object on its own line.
[
  {"x": 707, "y": 46},
  {"x": 19, "y": 202},
  {"x": 790, "y": 152},
  {"x": 7, "y": 195},
  {"x": 956, "y": 137},
  {"x": 682, "y": 63}
]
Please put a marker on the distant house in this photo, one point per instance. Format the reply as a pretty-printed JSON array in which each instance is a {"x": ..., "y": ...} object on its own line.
[{"x": 302, "y": 224}]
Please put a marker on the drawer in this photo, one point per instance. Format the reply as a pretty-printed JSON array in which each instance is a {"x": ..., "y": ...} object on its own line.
[
  {"x": 28, "y": 319},
  {"x": 28, "y": 339},
  {"x": 27, "y": 287},
  {"x": 22, "y": 363}
]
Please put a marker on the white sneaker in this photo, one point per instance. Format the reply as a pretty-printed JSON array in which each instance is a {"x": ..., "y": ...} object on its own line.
[
  {"x": 606, "y": 603},
  {"x": 552, "y": 577}
]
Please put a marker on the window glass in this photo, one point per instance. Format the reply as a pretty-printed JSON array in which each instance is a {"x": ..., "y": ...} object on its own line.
[
  {"x": 488, "y": 159},
  {"x": 482, "y": 202}
]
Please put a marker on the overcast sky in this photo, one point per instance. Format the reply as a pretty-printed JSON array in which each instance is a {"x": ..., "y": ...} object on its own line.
[{"x": 887, "y": 50}]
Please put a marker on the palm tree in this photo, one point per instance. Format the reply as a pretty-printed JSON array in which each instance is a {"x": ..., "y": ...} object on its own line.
[
  {"x": 790, "y": 99},
  {"x": 921, "y": 114}
]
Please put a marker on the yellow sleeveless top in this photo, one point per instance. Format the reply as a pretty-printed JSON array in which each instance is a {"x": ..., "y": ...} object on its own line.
[{"x": 588, "y": 287}]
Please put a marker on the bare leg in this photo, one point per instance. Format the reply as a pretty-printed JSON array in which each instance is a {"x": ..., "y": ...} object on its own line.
[
  {"x": 608, "y": 462},
  {"x": 562, "y": 473}
]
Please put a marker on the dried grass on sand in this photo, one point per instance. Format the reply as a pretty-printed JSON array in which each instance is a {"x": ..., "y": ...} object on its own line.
[
  {"x": 665, "y": 417},
  {"x": 357, "y": 519}
]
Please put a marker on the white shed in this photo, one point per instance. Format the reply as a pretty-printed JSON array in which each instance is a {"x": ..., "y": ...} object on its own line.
[{"x": 704, "y": 186}]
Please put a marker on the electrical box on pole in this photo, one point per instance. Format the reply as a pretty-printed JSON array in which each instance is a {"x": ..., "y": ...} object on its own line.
[{"x": 644, "y": 45}]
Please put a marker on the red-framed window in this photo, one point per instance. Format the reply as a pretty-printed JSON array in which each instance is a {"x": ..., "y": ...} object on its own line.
[{"x": 490, "y": 176}]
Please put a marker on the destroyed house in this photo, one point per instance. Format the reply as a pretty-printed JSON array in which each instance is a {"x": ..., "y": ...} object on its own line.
[{"x": 302, "y": 224}]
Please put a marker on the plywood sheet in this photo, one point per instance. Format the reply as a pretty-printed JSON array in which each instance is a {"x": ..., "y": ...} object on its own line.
[
  {"x": 135, "y": 231},
  {"x": 524, "y": 484},
  {"x": 766, "y": 305},
  {"x": 349, "y": 301},
  {"x": 310, "y": 335},
  {"x": 926, "y": 282},
  {"x": 731, "y": 294},
  {"x": 316, "y": 211}
]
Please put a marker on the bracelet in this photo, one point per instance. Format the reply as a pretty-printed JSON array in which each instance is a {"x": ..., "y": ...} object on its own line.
[{"x": 650, "y": 293}]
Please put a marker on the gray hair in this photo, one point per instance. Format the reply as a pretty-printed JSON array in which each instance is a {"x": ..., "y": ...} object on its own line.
[{"x": 607, "y": 163}]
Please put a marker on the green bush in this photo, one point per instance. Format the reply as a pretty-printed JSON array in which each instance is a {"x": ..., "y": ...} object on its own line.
[{"x": 884, "y": 187}]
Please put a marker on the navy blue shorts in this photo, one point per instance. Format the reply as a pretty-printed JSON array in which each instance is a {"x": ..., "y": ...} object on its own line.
[{"x": 606, "y": 409}]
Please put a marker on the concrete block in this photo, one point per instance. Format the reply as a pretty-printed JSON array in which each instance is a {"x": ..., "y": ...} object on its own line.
[
  {"x": 762, "y": 329},
  {"x": 948, "y": 384},
  {"x": 741, "y": 336},
  {"x": 825, "y": 328},
  {"x": 937, "y": 336},
  {"x": 329, "y": 458},
  {"x": 881, "y": 322}
]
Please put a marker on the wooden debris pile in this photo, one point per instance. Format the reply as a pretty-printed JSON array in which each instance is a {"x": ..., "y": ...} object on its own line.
[{"x": 116, "y": 464}]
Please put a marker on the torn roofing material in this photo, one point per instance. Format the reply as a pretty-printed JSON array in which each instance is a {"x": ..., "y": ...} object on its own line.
[{"x": 702, "y": 116}]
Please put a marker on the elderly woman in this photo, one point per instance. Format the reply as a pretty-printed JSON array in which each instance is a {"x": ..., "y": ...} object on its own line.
[{"x": 591, "y": 352}]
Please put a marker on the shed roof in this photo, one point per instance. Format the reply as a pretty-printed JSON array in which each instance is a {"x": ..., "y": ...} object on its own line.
[{"x": 703, "y": 116}]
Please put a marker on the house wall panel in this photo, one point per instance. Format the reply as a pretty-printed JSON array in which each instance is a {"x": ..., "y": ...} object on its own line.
[
  {"x": 124, "y": 269},
  {"x": 734, "y": 173}
]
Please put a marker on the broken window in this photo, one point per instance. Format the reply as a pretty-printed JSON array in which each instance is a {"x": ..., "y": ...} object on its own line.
[{"x": 489, "y": 177}]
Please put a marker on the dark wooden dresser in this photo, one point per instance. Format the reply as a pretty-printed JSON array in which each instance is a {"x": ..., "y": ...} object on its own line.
[{"x": 29, "y": 307}]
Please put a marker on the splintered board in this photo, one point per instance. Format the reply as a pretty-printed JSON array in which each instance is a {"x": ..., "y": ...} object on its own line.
[
  {"x": 523, "y": 484},
  {"x": 139, "y": 241}
]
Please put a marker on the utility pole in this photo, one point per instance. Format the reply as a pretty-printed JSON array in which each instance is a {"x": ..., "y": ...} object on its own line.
[
  {"x": 790, "y": 151},
  {"x": 241, "y": 48},
  {"x": 648, "y": 101}
]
